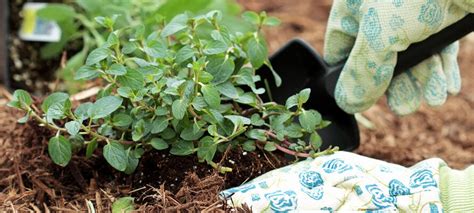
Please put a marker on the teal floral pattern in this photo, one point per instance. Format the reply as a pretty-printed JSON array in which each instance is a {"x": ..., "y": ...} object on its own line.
[
  {"x": 282, "y": 201},
  {"x": 336, "y": 165},
  {"x": 422, "y": 178},
  {"x": 431, "y": 13},
  {"x": 397, "y": 188},
  {"x": 379, "y": 198},
  {"x": 372, "y": 29},
  {"x": 312, "y": 184}
]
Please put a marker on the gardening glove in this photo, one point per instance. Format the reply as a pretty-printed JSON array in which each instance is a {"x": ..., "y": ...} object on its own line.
[
  {"x": 369, "y": 33},
  {"x": 346, "y": 181}
]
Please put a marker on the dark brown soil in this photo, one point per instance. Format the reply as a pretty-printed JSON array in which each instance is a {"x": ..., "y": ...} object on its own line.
[{"x": 25, "y": 168}]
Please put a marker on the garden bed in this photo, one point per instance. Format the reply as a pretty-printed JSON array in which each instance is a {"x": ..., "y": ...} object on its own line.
[{"x": 31, "y": 181}]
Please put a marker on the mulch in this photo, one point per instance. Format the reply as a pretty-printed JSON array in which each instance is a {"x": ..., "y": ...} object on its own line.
[{"x": 30, "y": 181}]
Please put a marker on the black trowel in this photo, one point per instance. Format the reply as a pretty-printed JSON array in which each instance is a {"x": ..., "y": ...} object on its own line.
[{"x": 300, "y": 66}]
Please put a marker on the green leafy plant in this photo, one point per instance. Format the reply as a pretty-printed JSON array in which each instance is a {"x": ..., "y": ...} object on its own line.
[
  {"x": 89, "y": 22},
  {"x": 172, "y": 89}
]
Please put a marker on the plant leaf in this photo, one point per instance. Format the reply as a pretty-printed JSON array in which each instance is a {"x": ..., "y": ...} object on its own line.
[
  {"x": 182, "y": 148},
  {"x": 123, "y": 205},
  {"x": 59, "y": 149},
  {"x": 176, "y": 24},
  {"x": 257, "y": 51},
  {"x": 122, "y": 120},
  {"x": 116, "y": 156},
  {"x": 207, "y": 149},
  {"x": 184, "y": 54},
  {"x": 315, "y": 140},
  {"x": 220, "y": 67},
  {"x": 133, "y": 79},
  {"x": 179, "y": 108},
  {"x": 159, "y": 124},
  {"x": 116, "y": 69},
  {"x": 73, "y": 127},
  {"x": 86, "y": 73},
  {"x": 91, "y": 146},
  {"x": 309, "y": 120},
  {"x": 159, "y": 144},
  {"x": 97, "y": 55},
  {"x": 57, "y": 97},
  {"x": 105, "y": 106},
  {"x": 211, "y": 96}
]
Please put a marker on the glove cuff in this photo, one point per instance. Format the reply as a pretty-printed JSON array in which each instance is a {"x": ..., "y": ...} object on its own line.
[{"x": 457, "y": 189}]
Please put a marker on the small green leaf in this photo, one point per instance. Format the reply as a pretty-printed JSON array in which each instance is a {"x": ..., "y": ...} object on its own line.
[
  {"x": 82, "y": 111},
  {"x": 182, "y": 148},
  {"x": 269, "y": 147},
  {"x": 315, "y": 140},
  {"x": 215, "y": 47},
  {"x": 133, "y": 79},
  {"x": 257, "y": 51},
  {"x": 122, "y": 120},
  {"x": 189, "y": 134},
  {"x": 256, "y": 120},
  {"x": 155, "y": 49},
  {"x": 176, "y": 24},
  {"x": 168, "y": 134},
  {"x": 20, "y": 98},
  {"x": 228, "y": 89},
  {"x": 179, "y": 109},
  {"x": 207, "y": 149},
  {"x": 257, "y": 134},
  {"x": 211, "y": 96},
  {"x": 97, "y": 55},
  {"x": 249, "y": 146},
  {"x": 303, "y": 96},
  {"x": 59, "y": 149},
  {"x": 159, "y": 124},
  {"x": 132, "y": 163},
  {"x": 73, "y": 127},
  {"x": 139, "y": 130},
  {"x": 220, "y": 67},
  {"x": 159, "y": 144},
  {"x": 251, "y": 17},
  {"x": 272, "y": 21},
  {"x": 86, "y": 73},
  {"x": 105, "y": 106},
  {"x": 184, "y": 54},
  {"x": 116, "y": 69},
  {"x": 291, "y": 101},
  {"x": 57, "y": 97},
  {"x": 123, "y": 205},
  {"x": 309, "y": 120},
  {"x": 91, "y": 146},
  {"x": 294, "y": 130},
  {"x": 159, "y": 111},
  {"x": 212, "y": 129},
  {"x": 116, "y": 155}
]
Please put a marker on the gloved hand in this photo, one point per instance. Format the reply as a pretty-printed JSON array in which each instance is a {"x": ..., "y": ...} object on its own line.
[
  {"x": 346, "y": 181},
  {"x": 369, "y": 33}
]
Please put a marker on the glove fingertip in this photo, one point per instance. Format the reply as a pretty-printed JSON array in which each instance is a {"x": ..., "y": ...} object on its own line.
[{"x": 403, "y": 95}]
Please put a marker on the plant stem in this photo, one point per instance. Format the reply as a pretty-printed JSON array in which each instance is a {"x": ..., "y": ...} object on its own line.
[{"x": 221, "y": 169}]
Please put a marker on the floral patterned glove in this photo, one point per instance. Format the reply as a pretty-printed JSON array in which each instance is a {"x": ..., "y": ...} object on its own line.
[
  {"x": 369, "y": 33},
  {"x": 343, "y": 182}
]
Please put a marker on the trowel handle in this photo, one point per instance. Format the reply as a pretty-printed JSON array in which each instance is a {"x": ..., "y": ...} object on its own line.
[
  {"x": 416, "y": 52},
  {"x": 420, "y": 51}
]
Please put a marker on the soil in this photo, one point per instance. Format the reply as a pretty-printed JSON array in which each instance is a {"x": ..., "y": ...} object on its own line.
[{"x": 29, "y": 181}]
